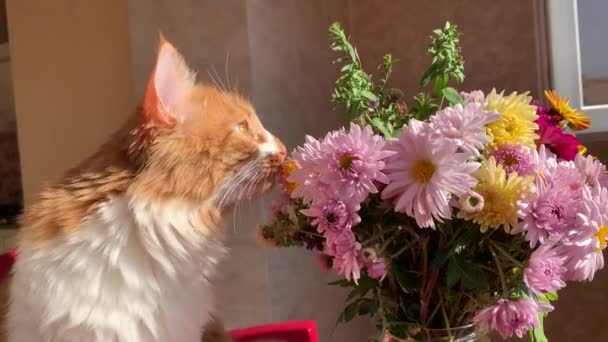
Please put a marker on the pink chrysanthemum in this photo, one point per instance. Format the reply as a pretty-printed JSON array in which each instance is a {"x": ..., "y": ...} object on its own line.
[
  {"x": 512, "y": 317},
  {"x": 333, "y": 217},
  {"x": 352, "y": 162},
  {"x": 306, "y": 175},
  {"x": 424, "y": 173},
  {"x": 515, "y": 158},
  {"x": 346, "y": 252},
  {"x": 545, "y": 271},
  {"x": 584, "y": 245},
  {"x": 463, "y": 126},
  {"x": 543, "y": 160},
  {"x": 550, "y": 210},
  {"x": 592, "y": 170},
  {"x": 566, "y": 175},
  {"x": 474, "y": 96}
]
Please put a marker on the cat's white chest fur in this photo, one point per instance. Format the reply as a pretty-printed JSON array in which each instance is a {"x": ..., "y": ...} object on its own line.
[{"x": 133, "y": 272}]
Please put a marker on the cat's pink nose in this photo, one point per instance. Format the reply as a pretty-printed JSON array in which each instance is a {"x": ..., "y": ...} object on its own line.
[{"x": 282, "y": 150}]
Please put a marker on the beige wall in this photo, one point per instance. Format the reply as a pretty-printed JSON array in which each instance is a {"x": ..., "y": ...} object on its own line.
[{"x": 72, "y": 80}]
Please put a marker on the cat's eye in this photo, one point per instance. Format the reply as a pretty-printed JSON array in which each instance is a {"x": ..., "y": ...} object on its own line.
[{"x": 242, "y": 127}]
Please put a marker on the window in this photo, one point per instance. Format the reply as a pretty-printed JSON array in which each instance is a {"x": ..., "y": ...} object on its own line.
[{"x": 579, "y": 55}]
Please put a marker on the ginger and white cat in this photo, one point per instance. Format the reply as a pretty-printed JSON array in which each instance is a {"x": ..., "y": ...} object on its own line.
[{"x": 123, "y": 248}]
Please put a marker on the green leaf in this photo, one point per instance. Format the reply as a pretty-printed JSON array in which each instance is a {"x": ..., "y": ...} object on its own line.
[
  {"x": 369, "y": 95},
  {"x": 551, "y": 296},
  {"x": 471, "y": 275},
  {"x": 453, "y": 274},
  {"x": 408, "y": 281},
  {"x": 351, "y": 311},
  {"x": 440, "y": 83},
  {"x": 539, "y": 333},
  {"x": 379, "y": 124},
  {"x": 341, "y": 283},
  {"x": 452, "y": 96},
  {"x": 428, "y": 75}
]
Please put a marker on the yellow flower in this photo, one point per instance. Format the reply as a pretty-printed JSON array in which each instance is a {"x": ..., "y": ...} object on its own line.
[
  {"x": 288, "y": 167},
  {"x": 576, "y": 120},
  {"x": 500, "y": 194},
  {"x": 516, "y": 124}
]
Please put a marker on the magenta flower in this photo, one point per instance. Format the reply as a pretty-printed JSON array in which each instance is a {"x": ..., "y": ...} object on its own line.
[
  {"x": 545, "y": 271},
  {"x": 463, "y": 126},
  {"x": 333, "y": 217},
  {"x": 547, "y": 113},
  {"x": 563, "y": 144},
  {"x": 512, "y": 317},
  {"x": 346, "y": 252},
  {"x": 515, "y": 158},
  {"x": 377, "y": 269},
  {"x": 352, "y": 163},
  {"x": 424, "y": 173},
  {"x": 550, "y": 210}
]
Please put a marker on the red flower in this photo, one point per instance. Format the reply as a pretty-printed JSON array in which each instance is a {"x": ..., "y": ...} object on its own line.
[{"x": 563, "y": 144}]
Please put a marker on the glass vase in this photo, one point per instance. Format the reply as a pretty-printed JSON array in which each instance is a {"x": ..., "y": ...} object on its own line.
[{"x": 467, "y": 333}]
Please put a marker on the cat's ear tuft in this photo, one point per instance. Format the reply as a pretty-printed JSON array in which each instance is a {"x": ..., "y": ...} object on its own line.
[{"x": 171, "y": 81}]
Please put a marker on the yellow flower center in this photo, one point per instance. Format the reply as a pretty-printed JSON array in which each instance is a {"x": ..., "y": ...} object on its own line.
[
  {"x": 423, "y": 170},
  {"x": 602, "y": 235},
  {"x": 288, "y": 167},
  {"x": 346, "y": 161},
  {"x": 510, "y": 161}
]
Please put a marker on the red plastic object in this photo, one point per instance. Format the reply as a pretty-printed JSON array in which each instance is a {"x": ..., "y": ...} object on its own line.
[{"x": 292, "y": 331}]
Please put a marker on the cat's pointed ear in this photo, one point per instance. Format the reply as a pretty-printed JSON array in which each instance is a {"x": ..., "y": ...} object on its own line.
[{"x": 171, "y": 81}]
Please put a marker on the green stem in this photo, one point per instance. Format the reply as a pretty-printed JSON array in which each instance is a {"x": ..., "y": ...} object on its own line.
[
  {"x": 307, "y": 232},
  {"x": 381, "y": 310},
  {"x": 446, "y": 320},
  {"x": 507, "y": 254},
  {"x": 403, "y": 249},
  {"x": 501, "y": 274},
  {"x": 441, "y": 103}
]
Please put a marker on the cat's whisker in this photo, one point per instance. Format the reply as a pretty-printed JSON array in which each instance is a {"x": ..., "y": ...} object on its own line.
[
  {"x": 226, "y": 70},
  {"x": 224, "y": 89},
  {"x": 215, "y": 81}
]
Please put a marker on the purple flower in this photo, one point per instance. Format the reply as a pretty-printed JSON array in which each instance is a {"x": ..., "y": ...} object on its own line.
[
  {"x": 512, "y": 317},
  {"x": 545, "y": 271},
  {"x": 548, "y": 211},
  {"x": 333, "y": 217},
  {"x": 377, "y": 269},
  {"x": 346, "y": 252},
  {"x": 515, "y": 158},
  {"x": 463, "y": 126},
  {"x": 352, "y": 163}
]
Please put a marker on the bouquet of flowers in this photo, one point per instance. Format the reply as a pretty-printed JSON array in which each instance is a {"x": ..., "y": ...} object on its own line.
[{"x": 461, "y": 209}]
